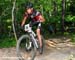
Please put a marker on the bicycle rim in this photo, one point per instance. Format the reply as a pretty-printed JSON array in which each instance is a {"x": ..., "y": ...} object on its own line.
[{"x": 22, "y": 52}]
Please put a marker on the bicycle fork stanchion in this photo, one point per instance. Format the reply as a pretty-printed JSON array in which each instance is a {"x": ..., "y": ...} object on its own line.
[{"x": 34, "y": 40}]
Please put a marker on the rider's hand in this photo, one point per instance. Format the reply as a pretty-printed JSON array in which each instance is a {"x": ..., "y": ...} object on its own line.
[{"x": 22, "y": 27}]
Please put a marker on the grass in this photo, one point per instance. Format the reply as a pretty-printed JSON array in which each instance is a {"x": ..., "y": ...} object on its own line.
[
  {"x": 7, "y": 42},
  {"x": 71, "y": 35},
  {"x": 73, "y": 38},
  {"x": 47, "y": 35}
]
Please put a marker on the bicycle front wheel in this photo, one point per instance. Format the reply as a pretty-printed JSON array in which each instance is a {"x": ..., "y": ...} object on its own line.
[{"x": 21, "y": 48}]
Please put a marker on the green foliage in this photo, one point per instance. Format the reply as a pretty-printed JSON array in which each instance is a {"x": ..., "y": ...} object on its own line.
[
  {"x": 7, "y": 42},
  {"x": 46, "y": 7},
  {"x": 70, "y": 18},
  {"x": 73, "y": 37}
]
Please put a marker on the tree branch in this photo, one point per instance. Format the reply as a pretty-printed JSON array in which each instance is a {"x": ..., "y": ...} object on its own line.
[{"x": 13, "y": 9}]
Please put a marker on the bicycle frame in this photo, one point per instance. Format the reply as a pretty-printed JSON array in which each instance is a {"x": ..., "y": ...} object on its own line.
[{"x": 31, "y": 33}]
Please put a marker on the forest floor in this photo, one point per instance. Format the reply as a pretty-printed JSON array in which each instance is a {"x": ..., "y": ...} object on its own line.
[{"x": 53, "y": 51}]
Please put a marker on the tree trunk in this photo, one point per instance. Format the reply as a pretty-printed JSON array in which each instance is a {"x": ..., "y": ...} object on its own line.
[
  {"x": 55, "y": 7},
  {"x": 0, "y": 26},
  {"x": 13, "y": 9},
  {"x": 63, "y": 15}
]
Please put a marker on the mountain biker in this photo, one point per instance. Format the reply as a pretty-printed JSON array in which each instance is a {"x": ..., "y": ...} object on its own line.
[{"x": 36, "y": 20}]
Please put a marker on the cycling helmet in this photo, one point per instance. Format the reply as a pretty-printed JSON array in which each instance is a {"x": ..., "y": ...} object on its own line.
[{"x": 29, "y": 5}]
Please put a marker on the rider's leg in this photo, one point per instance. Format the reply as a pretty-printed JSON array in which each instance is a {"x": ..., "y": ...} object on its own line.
[
  {"x": 40, "y": 41},
  {"x": 39, "y": 37}
]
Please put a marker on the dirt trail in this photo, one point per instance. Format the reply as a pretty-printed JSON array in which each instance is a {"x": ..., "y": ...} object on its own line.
[{"x": 62, "y": 51}]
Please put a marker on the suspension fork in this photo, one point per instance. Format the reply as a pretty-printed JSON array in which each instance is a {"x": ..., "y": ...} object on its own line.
[{"x": 33, "y": 40}]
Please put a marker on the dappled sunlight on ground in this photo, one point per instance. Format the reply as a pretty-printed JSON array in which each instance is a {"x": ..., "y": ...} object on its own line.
[{"x": 52, "y": 51}]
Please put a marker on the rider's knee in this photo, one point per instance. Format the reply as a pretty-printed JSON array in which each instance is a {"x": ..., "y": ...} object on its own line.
[{"x": 38, "y": 31}]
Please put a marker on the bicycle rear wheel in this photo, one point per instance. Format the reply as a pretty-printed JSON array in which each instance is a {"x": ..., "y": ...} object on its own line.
[{"x": 21, "y": 48}]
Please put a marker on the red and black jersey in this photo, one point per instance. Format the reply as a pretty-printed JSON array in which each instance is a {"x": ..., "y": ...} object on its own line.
[{"x": 34, "y": 16}]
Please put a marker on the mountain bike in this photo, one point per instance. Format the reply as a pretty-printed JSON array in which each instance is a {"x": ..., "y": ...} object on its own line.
[{"x": 27, "y": 45}]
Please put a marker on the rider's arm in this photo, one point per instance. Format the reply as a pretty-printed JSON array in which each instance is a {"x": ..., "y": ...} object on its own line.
[
  {"x": 24, "y": 20},
  {"x": 41, "y": 18}
]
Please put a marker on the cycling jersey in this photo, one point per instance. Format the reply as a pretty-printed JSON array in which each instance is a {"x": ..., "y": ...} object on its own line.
[
  {"x": 34, "y": 16},
  {"x": 35, "y": 21}
]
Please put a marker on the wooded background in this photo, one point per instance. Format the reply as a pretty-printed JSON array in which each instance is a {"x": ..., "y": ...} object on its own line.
[{"x": 59, "y": 16}]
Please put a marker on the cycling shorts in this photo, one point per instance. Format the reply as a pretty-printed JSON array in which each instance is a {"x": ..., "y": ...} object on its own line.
[{"x": 35, "y": 24}]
